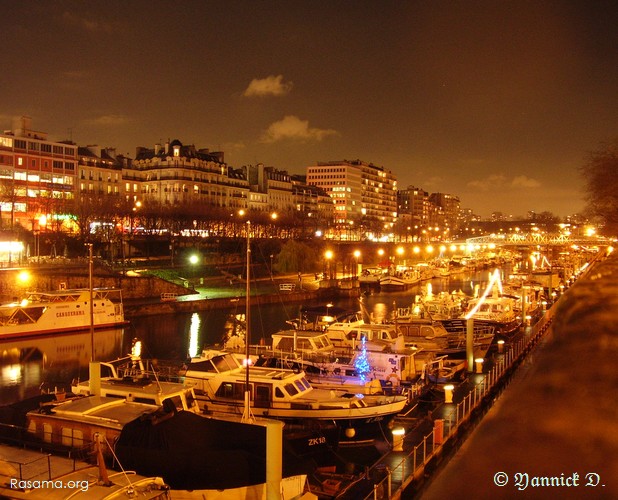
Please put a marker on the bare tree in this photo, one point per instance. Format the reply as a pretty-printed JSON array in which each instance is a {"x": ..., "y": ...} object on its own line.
[{"x": 600, "y": 174}]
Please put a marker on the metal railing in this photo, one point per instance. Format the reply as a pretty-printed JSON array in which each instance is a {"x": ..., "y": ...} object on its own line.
[{"x": 413, "y": 463}]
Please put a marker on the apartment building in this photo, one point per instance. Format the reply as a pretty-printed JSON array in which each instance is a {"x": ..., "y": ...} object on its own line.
[
  {"x": 174, "y": 173},
  {"x": 37, "y": 177},
  {"x": 362, "y": 193}
]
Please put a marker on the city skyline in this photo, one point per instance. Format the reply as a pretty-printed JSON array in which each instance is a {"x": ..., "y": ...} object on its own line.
[{"x": 495, "y": 104}]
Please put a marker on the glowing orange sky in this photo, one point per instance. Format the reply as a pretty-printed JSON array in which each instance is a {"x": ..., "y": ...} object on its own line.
[{"x": 496, "y": 102}]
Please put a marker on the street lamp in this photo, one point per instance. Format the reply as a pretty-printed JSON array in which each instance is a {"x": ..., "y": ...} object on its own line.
[
  {"x": 328, "y": 255},
  {"x": 356, "y": 257}
]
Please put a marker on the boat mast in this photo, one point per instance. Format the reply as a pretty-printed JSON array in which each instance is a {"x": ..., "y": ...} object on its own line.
[
  {"x": 247, "y": 416},
  {"x": 89, "y": 245}
]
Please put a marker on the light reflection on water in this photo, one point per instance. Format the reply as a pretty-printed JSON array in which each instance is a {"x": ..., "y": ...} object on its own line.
[
  {"x": 27, "y": 365},
  {"x": 45, "y": 362}
]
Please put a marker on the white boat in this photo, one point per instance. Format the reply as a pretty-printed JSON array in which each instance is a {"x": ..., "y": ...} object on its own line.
[
  {"x": 63, "y": 311},
  {"x": 496, "y": 310},
  {"x": 219, "y": 381},
  {"x": 370, "y": 368},
  {"x": 396, "y": 280},
  {"x": 371, "y": 275},
  {"x": 129, "y": 378}
]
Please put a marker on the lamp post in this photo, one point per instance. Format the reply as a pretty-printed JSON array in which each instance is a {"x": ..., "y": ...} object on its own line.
[
  {"x": 357, "y": 255},
  {"x": 328, "y": 255}
]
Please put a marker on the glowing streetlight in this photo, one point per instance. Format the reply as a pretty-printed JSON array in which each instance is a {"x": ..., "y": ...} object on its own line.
[{"x": 328, "y": 255}]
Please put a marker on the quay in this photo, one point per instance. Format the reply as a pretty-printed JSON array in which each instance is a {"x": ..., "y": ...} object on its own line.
[{"x": 545, "y": 408}]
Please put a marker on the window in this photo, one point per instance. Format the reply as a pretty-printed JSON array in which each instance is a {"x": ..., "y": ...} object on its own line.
[
  {"x": 19, "y": 144},
  {"x": 58, "y": 150},
  {"x": 46, "y": 148}
]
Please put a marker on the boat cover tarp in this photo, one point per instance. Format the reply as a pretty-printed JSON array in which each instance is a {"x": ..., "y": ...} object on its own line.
[{"x": 194, "y": 452}]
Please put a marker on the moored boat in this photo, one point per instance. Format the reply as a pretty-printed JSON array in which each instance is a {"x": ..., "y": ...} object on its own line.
[
  {"x": 40, "y": 313},
  {"x": 129, "y": 378},
  {"x": 219, "y": 382},
  {"x": 396, "y": 280}
]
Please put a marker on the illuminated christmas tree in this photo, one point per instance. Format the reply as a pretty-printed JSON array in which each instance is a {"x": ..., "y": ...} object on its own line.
[{"x": 362, "y": 363}]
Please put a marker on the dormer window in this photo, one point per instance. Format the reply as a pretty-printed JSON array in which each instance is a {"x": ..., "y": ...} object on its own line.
[{"x": 176, "y": 151}]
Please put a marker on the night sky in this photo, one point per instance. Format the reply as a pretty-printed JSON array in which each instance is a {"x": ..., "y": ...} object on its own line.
[{"x": 497, "y": 102}]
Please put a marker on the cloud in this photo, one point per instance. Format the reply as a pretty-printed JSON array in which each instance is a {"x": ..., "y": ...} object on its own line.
[
  {"x": 271, "y": 85},
  {"x": 523, "y": 181},
  {"x": 498, "y": 181},
  {"x": 108, "y": 120},
  {"x": 491, "y": 182},
  {"x": 292, "y": 127}
]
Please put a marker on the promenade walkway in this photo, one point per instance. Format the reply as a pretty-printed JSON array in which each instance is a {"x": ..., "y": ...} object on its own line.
[{"x": 551, "y": 409}]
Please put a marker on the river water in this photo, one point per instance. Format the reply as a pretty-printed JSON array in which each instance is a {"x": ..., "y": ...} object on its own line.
[{"x": 27, "y": 366}]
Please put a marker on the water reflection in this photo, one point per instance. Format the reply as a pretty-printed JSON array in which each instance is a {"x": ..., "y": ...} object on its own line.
[
  {"x": 194, "y": 331},
  {"x": 27, "y": 365},
  {"x": 44, "y": 362}
]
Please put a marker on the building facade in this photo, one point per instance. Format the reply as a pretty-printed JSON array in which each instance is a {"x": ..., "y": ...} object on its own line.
[
  {"x": 38, "y": 177},
  {"x": 363, "y": 195},
  {"x": 182, "y": 175}
]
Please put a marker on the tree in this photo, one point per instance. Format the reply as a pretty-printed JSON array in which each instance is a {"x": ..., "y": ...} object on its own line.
[{"x": 600, "y": 174}]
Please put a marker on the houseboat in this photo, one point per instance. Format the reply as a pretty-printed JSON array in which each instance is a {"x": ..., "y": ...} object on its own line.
[{"x": 41, "y": 313}]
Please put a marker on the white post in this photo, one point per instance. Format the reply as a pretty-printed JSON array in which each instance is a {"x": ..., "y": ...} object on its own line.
[{"x": 274, "y": 460}]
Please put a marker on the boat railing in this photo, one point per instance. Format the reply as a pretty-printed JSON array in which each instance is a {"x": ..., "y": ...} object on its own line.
[
  {"x": 414, "y": 461},
  {"x": 54, "y": 443}
]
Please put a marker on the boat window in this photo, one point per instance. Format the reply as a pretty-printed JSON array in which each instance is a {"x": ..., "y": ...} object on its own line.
[
  {"x": 279, "y": 392},
  {"x": 224, "y": 363},
  {"x": 47, "y": 433},
  {"x": 202, "y": 366},
  {"x": 299, "y": 384},
  {"x": 426, "y": 331},
  {"x": 262, "y": 395},
  {"x": 72, "y": 437},
  {"x": 231, "y": 390},
  {"x": 286, "y": 344},
  {"x": 148, "y": 401},
  {"x": 291, "y": 389},
  {"x": 190, "y": 399}
]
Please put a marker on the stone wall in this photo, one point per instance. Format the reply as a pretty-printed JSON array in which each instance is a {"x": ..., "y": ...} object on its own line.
[{"x": 133, "y": 287}]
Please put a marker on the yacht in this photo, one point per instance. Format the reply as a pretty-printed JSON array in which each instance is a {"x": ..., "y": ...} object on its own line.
[
  {"x": 220, "y": 381},
  {"x": 62, "y": 311}
]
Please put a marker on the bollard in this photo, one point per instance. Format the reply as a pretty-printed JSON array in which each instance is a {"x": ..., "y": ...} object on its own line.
[
  {"x": 398, "y": 436},
  {"x": 448, "y": 393},
  {"x": 479, "y": 365}
]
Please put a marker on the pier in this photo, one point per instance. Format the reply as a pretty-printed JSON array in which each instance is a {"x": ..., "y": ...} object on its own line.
[{"x": 551, "y": 396}]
